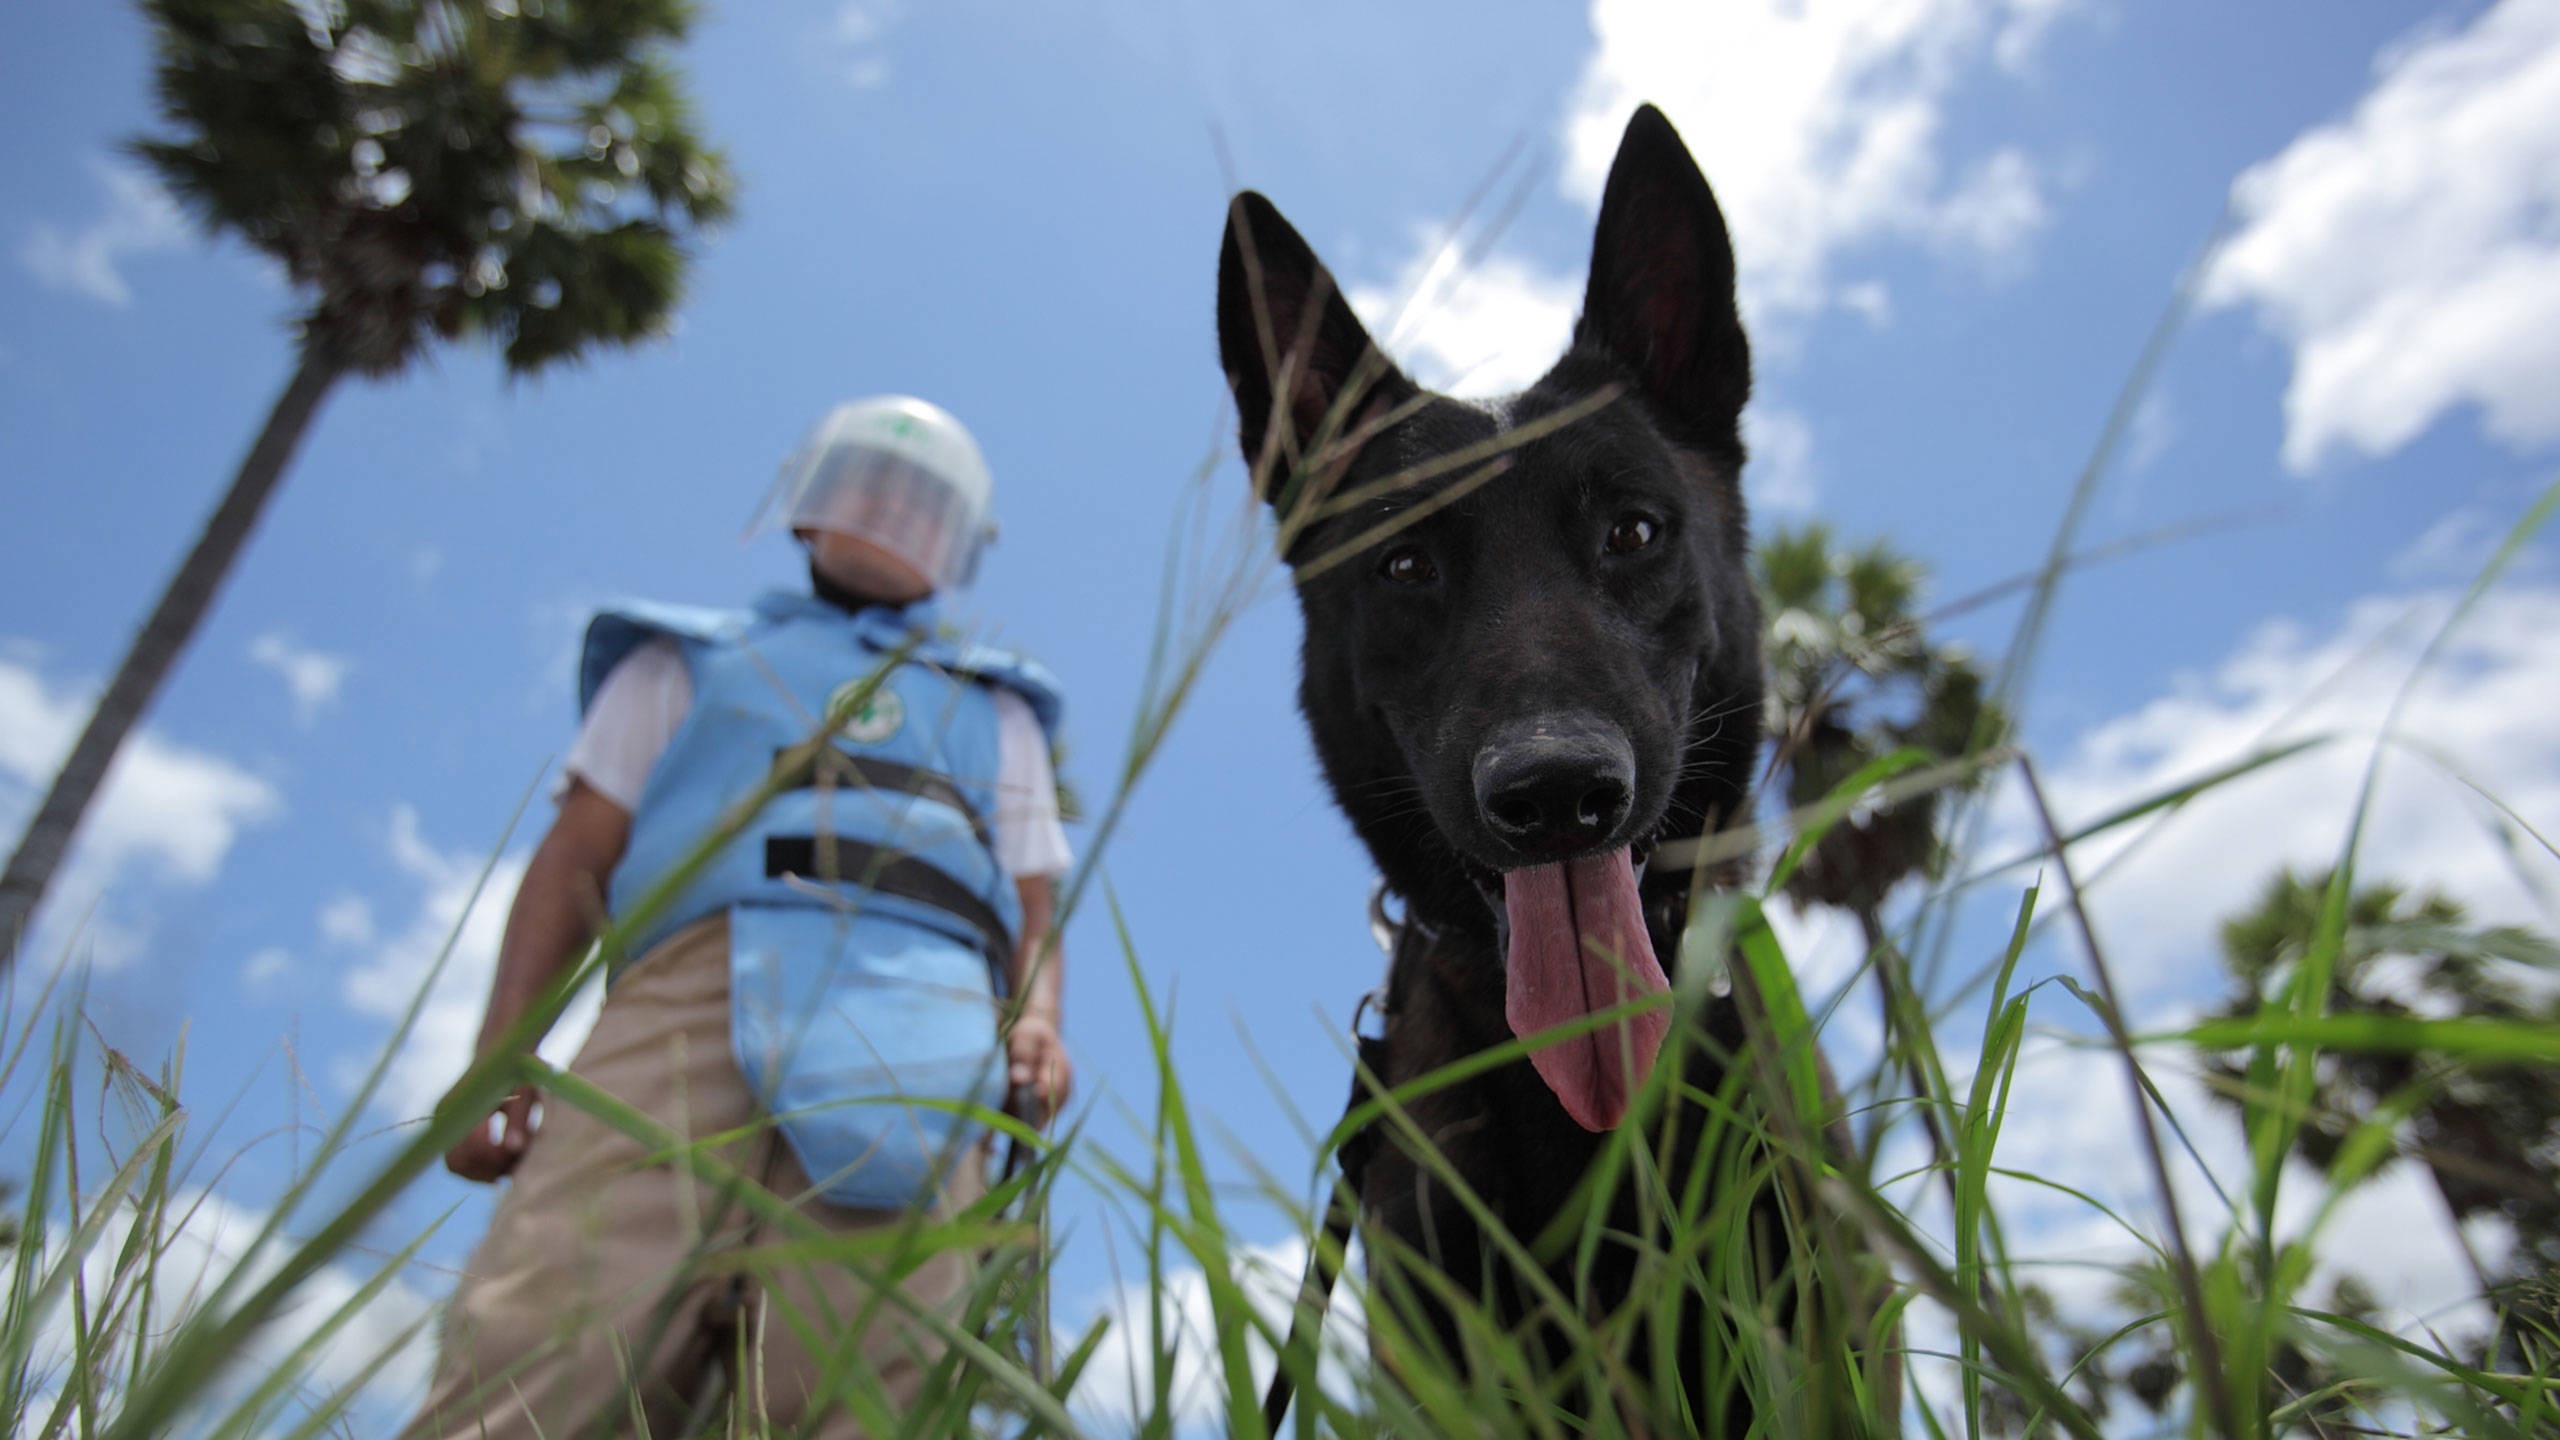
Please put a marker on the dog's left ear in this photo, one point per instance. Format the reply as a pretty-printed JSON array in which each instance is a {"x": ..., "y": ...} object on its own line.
[
  {"x": 1661, "y": 295},
  {"x": 1293, "y": 351}
]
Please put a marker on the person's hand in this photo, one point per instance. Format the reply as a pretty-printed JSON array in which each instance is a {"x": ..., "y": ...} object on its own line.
[
  {"x": 481, "y": 1156},
  {"x": 1039, "y": 1063}
]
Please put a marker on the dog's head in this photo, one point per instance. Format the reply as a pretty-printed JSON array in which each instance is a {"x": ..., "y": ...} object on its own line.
[{"x": 1532, "y": 649}]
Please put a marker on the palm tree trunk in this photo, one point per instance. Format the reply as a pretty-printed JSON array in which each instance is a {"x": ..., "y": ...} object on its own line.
[{"x": 155, "y": 649}]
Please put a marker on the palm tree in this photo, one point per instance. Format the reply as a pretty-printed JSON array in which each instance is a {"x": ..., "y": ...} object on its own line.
[
  {"x": 2072, "y": 1348},
  {"x": 2489, "y": 1140},
  {"x": 1853, "y": 677},
  {"x": 2319, "y": 1399},
  {"x": 423, "y": 170}
]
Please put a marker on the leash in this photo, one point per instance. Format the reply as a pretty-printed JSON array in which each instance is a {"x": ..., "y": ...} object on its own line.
[
  {"x": 1315, "y": 1290},
  {"x": 1022, "y": 1105},
  {"x": 1342, "y": 1212}
]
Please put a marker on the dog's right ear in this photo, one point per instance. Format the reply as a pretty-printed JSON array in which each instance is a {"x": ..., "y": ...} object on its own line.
[
  {"x": 1290, "y": 344},
  {"x": 1661, "y": 295}
]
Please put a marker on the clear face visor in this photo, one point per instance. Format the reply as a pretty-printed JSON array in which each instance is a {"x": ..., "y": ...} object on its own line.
[{"x": 889, "y": 500}]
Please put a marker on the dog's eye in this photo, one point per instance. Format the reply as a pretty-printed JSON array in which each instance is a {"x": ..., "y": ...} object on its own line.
[
  {"x": 1631, "y": 534},
  {"x": 1407, "y": 565}
]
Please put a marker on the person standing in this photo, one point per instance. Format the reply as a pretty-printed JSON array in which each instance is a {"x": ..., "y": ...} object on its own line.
[{"x": 875, "y": 938}]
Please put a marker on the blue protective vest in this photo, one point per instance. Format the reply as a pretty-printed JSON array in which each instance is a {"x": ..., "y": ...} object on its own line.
[{"x": 869, "y": 922}]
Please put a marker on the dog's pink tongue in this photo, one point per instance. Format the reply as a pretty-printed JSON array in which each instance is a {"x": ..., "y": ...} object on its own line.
[{"x": 1578, "y": 944}]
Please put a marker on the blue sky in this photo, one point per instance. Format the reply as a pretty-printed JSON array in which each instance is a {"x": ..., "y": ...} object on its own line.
[{"x": 1957, "y": 221}]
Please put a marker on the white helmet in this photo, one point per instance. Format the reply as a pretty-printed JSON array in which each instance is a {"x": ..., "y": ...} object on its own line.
[{"x": 898, "y": 472}]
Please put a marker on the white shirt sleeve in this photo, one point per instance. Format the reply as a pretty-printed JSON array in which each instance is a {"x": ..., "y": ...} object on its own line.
[
  {"x": 1029, "y": 839},
  {"x": 634, "y": 715}
]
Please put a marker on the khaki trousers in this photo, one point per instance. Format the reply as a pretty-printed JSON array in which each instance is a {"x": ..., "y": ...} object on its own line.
[{"x": 610, "y": 1285}]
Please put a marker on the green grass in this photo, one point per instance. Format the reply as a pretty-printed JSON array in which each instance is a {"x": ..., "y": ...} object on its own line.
[
  {"x": 1814, "y": 1274},
  {"x": 94, "y": 1226}
]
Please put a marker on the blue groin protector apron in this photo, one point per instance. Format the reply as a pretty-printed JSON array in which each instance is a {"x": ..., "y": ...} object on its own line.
[{"x": 871, "y": 928}]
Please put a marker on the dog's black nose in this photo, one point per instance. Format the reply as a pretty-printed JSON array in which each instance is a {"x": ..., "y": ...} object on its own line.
[{"x": 1555, "y": 785}]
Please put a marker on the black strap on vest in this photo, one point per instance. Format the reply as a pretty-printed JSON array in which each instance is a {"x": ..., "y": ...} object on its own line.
[
  {"x": 844, "y": 769},
  {"x": 889, "y": 872}
]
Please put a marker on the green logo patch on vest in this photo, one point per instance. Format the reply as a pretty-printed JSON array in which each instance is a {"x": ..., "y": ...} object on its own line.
[{"x": 877, "y": 720}]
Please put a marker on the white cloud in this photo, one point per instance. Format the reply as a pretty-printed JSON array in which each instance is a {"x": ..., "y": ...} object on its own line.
[
  {"x": 266, "y": 967},
  {"x": 2023, "y": 29},
  {"x": 2157, "y": 907},
  {"x": 1116, "y": 1391},
  {"x": 1818, "y": 122},
  {"x": 860, "y": 30},
  {"x": 2453, "y": 548},
  {"x": 1481, "y": 329},
  {"x": 1780, "y": 472},
  {"x": 1996, "y": 213},
  {"x": 203, "y": 1240},
  {"x": 559, "y": 636},
  {"x": 140, "y": 219},
  {"x": 1495, "y": 327},
  {"x": 2410, "y": 253},
  {"x": 167, "y": 812},
  {"x": 861, "y": 22},
  {"x": 2154, "y": 429},
  {"x": 163, "y": 802},
  {"x": 2071, "y": 1121},
  {"x": 1828, "y": 956},
  {"x": 439, "y": 1048},
  {"x": 2486, "y": 704},
  {"x": 347, "y": 920},
  {"x": 1869, "y": 300},
  {"x": 312, "y": 677}
]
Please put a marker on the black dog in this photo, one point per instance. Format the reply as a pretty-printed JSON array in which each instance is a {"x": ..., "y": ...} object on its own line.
[{"x": 1532, "y": 655}]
